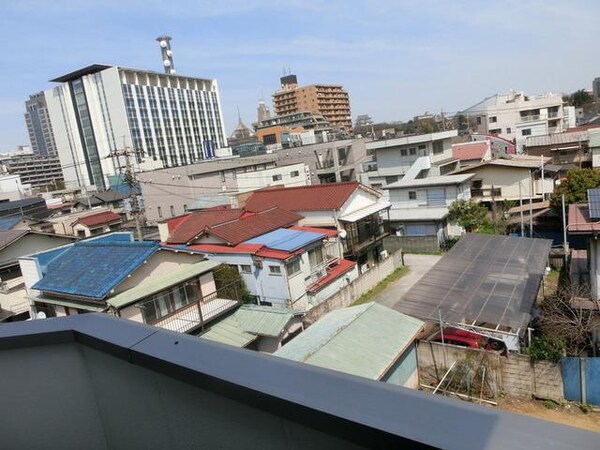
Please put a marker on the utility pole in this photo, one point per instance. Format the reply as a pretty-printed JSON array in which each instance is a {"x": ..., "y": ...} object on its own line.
[{"x": 129, "y": 177}]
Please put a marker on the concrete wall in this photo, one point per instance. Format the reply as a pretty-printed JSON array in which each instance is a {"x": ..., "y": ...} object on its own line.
[
  {"x": 28, "y": 244},
  {"x": 354, "y": 290},
  {"x": 411, "y": 244},
  {"x": 515, "y": 375}
]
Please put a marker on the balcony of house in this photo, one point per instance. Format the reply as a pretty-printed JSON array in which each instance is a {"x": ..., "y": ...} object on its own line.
[
  {"x": 478, "y": 193},
  {"x": 364, "y": 232},
  {"x": 183, "y": 309}
]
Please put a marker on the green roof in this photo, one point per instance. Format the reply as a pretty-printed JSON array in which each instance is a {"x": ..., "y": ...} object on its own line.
[
  {"x": 228, "y": 331},
  {"x": 87, "y": 306},
  {"x": 249, "y": 322},
  {"x": 363, "y": 340},
  {"x": 154, "y": 286}
]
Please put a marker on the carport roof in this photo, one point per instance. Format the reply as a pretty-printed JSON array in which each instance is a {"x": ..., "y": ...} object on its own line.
[{"x": 483, "y": 279}]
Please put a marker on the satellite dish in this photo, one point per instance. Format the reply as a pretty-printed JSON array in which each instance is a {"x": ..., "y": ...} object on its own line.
[
  {"x": 343, "y": 234},
  {"x": 167, "y": 63},
  {"x": 169, "y": 53},
  {"x": 163, "y": 44},
  {"x": 41, "y": 315}
]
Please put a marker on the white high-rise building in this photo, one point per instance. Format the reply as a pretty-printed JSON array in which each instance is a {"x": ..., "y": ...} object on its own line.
[{"x": 167, "y": 120}]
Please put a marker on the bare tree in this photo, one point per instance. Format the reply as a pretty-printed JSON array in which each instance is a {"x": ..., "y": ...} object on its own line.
[{"x": 571, "y": 317}]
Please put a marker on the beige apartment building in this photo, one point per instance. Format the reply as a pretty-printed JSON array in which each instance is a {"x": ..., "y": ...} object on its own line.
[{"x": 329, "y": 100}]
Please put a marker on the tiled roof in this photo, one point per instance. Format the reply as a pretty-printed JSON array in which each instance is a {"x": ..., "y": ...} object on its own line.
[
  {"x": 91, "y": 269},
  {"x": 470, "y": 150},
  {"x": 252, "y": 249},
  {"x": 184, "y": 229},
  {"x": 579, "y": 220},
  {"x": 330, "y": 196},
  {"x": 98, "y": 219},
  {"x": 232, "y": 226}
]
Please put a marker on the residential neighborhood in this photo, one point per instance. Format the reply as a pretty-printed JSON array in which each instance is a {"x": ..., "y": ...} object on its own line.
[{"x": 365, "y": 255}]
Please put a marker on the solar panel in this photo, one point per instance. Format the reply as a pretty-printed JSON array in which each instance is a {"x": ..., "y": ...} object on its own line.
[{"x": 594, "y": 203}]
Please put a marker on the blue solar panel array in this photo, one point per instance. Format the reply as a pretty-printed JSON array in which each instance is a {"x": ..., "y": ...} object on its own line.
[
  {"x": 594, "y": 203},
  {"x": 286, "y": 240}
]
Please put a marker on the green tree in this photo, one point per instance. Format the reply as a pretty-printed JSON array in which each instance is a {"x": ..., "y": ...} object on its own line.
[
  {"x": 230, "y": 285},
  {"x": 468, "y": 214},
  {"x": 581, "y": 98},
  {"x": 575, "y": 186}
]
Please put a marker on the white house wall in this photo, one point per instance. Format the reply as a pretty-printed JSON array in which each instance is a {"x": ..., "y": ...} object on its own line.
[
  {"x": 250, "y": 181},
  {"x": 319, "y": 218},
  {"x": 359, "y": 199},
  {"x": 160, "y": 263}
]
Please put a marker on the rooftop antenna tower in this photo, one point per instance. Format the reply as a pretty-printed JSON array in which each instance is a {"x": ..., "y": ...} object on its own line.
[{"x": 167, "y": 54}]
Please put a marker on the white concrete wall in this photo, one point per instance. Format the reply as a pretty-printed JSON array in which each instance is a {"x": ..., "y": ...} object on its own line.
[
  {"x": 358, "y": 200},
  {"x": 319, "y": 218},
  {"x": 251, "y": 181},
  {"x": 505, "y": 178},
  {"x": 160, "y": 263}
]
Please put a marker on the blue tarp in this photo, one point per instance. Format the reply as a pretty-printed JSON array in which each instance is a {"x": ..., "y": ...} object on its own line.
[{"x": 286, "y": 240}]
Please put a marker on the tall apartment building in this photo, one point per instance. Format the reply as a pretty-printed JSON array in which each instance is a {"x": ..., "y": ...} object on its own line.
[
  {"x": 329, "y": 100},
  {"x": 596, "y": 86},
  {"x": 168, "y": 120},
  {"x": 39, "y": 126},
  {"x": 35, "y": 170},
  {"x": 515, "y": 116}
]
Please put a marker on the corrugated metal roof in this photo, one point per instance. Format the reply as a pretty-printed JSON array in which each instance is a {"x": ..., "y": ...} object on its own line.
[
  {"x": 363, "y": 340},
  {"x": 92, "y": 269},
  {"x": 98, "y": 219},
  {"x": 317, "y": 197},
  {"x": 158, "y": 284},
  {"x": 557, "y": 139},
  {"x": 286, "y": 240},
  {"x": 364, "y": 212},
  {"x": 228, "y": 331},
  {"x": 249, "y": 322},
  {"x": 263, "y": 320}
]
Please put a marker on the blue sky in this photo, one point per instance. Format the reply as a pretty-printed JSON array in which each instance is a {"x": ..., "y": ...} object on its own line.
[{"x": 397, "y": 59}]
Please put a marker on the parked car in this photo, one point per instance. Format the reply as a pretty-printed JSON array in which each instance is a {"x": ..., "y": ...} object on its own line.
[{"x": 463, "y": 338}]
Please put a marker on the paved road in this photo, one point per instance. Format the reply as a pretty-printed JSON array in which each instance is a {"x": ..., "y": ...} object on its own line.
[{"x": 419, "y": 265}]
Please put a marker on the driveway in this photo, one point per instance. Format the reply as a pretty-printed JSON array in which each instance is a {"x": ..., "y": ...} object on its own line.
[{"x": 418, "y": 265}]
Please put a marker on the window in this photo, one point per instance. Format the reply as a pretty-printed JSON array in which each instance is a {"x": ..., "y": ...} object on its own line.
[
  {"x": 277, "y": 177},
  {"x": 222, "y": 173},
  {"x": 412, "y": 195},
  {"x": 422, "y": 147},
  {"x": 390, "y": 180},
  {"x": 493, "y": 119},
  {"x": 245, "y": 268},
  {"x": 508, "y": 130},
  {"x": 496, "y": 131},
  {"x": 479, "y": 121},
  {"x": 403, "y": 152},
  {"x": 526, "y": 132},
  {"x": 159, "y": 209},
  {"x": 294, "y": 174},
  {"x": 184, "y": 207},
  {"x": 274, "y": 270},
  {"x": 412, "y": 151},
  {"x": 293, "y": 267},
  {"x": 315, "y": 256},
  {"x": 172, "y": 210},
  {"x": 438, "y": 147}
]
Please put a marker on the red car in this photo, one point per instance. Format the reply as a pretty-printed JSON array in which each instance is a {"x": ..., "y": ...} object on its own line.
[{"x": 464, "y": 338}]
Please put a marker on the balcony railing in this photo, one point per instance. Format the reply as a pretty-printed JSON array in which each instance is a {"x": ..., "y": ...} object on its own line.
[
  {"x": 530, "y": 118},
  {"x": 486, "y": 192},
  {"x": 196, "y": 314}
]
